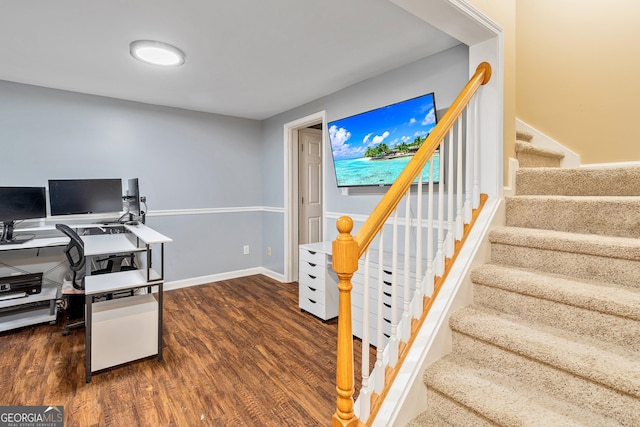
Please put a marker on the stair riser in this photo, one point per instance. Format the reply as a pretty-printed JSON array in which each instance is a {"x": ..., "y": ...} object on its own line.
[
  {"x": 612, "y": 270},
  {"x": 453, "y": 412},
  {"x": 579, "y": 182},
  {"x": 556, "y": 382},
  {"x": 531, "y": 160},
  {"x": 610, "y": 218},
  {"x": 613, "y": 329}
]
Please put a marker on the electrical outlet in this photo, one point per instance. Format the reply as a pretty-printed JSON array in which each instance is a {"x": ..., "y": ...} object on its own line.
[
  {"x": 246, "y": 249},
  {"x": 269, "y": 251}
]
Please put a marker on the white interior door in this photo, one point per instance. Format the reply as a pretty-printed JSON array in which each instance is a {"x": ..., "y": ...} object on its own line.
[{"x": 309, "y": 186}]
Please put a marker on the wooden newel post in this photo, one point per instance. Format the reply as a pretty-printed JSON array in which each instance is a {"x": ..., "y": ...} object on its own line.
[{"x": 345, "y": 262}]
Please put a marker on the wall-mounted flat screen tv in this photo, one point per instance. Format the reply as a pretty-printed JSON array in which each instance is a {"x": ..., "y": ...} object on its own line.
[{"x": 372, "y": 148}]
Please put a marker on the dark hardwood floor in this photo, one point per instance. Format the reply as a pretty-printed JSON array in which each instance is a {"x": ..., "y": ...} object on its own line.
[{"x": 236, "y": 353}]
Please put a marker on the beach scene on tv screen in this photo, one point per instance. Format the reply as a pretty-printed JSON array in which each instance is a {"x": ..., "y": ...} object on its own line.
[{"x": 373, "y": 148}]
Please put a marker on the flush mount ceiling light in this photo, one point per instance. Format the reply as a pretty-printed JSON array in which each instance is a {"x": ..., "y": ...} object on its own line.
[{"x": 156, "y": 53}]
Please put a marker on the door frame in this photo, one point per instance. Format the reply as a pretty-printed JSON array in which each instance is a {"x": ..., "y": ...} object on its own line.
[{"x": 291, "y": 188}]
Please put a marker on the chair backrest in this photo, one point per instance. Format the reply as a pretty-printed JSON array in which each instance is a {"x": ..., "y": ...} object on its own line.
[{"x": 75, "y": 254}]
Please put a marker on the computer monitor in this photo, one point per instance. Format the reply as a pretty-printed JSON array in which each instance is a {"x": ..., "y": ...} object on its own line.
[
  {"x": 132, "y": 199},
  {"x": 19, "y": 203},
  {"x": 85, "y": 196}
]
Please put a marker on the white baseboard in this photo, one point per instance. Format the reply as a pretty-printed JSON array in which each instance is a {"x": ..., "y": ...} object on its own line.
[
  {"x": 202, "y": 280},
  {"x": 571, "y": 158},
  {"x": 611, "y": 165}
]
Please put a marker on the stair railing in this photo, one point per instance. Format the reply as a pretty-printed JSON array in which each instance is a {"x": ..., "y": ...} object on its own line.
[{"x": 395, "y": 322}]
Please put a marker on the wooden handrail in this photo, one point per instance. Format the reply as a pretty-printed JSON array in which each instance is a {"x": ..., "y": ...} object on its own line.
[
  {"x": 347, "y": 250},
  {"x": 396, "y": 192}
]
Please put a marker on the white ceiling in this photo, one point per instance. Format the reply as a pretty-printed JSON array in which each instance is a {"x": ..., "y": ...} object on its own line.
[{"x": 245, "y": 58}]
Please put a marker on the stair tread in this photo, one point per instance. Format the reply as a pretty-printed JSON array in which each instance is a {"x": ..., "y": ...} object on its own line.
[
  {"x": 600, "y": 215},
  {"x": 592, "y": 244},
  {"x": 623, "y": 181},
  {"x": 527, "y": 147},
  {"x": 598, "y": 362},
  {"x": 504, "y": 400},
  {"x": 586, "y": 198},
  {"x": 523, "y": 135},
  {"x": 597, "y": 296}
]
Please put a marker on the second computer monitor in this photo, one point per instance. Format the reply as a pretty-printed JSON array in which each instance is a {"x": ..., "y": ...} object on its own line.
[{"x": 85, "y": 196}]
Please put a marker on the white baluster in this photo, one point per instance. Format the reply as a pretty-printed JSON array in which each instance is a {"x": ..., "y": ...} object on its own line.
[
  {"x": 365, "y": 393},
  {"x": 459, "y": 221},
  {"x": 393, "y": 340},
  {"x": 439, "y": 266},
  {"x": 427, "y": 285},
  {"x": 468, "y": 174},
  {"x": 379, "y": 368},
  {"x": 418, "y": 296},
  {"x": 405, "y": 331},
  {"x": 450, "y": 241},
  {"x": 476, "y": 158}
]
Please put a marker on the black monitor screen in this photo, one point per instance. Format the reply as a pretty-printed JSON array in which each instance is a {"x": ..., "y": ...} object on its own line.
[
  {"x": 17, "y": 203},
  {"x": 85, "y": 196}
]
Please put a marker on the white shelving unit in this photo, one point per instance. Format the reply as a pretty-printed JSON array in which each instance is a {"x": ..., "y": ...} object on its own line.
[
  {"x": 28, "y": 310},
  {"x": 17, "y": 311},
  {"x": 125, "y": 329}
]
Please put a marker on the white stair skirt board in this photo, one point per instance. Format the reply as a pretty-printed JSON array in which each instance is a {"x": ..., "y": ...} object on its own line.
[{"x": 124, "y": 330}]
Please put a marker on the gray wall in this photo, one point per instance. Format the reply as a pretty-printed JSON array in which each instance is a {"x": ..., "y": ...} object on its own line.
[
  {"x": 445, "y": 74},
  {"x": 206, "y": 177},
  {"x": 185, "y": 160}
]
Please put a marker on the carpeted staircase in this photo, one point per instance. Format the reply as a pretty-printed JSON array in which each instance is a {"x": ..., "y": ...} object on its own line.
[
  {"x": 553, "y": 336},
  {"x": 533, "y": 156}
]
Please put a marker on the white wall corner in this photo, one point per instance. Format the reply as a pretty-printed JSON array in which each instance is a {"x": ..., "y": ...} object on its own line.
[{"x": 571, "y": 158}]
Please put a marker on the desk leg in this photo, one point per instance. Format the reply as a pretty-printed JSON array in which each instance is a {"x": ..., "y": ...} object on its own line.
[
  {"x": 160, "y": 297},
  {"x": 87, "y": 340}
]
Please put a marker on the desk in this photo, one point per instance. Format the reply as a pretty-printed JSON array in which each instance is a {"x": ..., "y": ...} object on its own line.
[
  {"x": 116, "y": 338},
  {"x": 117, "y": 331}
]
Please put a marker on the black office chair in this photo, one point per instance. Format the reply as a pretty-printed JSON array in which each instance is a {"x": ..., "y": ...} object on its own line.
[{"x": 74, "y": 252}]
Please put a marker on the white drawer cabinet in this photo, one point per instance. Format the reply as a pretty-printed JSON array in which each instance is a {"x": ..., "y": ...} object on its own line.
[
  {"x": 317, "y": 282},
  {"x": 318, "y": 288}
]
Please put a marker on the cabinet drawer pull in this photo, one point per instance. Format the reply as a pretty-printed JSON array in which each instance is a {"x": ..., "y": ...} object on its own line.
[
  {"x": 387, "y": 294},
  {"x": 386, "y": 320},
  {"x": 388, "y": 272},
  {"x": 312, "y": 264},
  {"x": 386, "y": 305},
  {"x": 311, "y": 300},
  {"x": 387, "y": 283},
  {"x": 388, "y": 336},
  {"x": 312, "y": 276},
  {"x": 313, "y": 289},
  {"x": 312, "y": 252}
]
